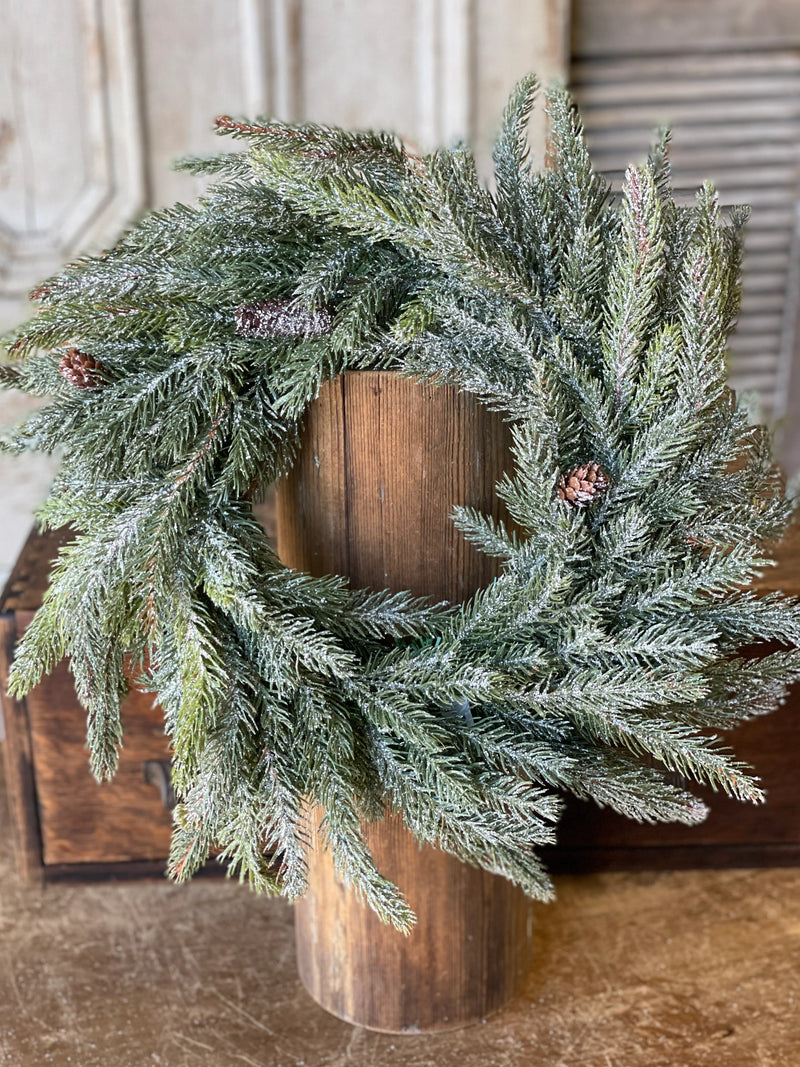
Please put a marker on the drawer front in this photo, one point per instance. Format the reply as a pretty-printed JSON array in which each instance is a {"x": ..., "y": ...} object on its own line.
[
  {"x": 81, "y": 820},
  {"x": 734, "y": 833}
]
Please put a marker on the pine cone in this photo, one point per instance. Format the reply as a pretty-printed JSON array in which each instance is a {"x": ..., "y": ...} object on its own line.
[
  {"x": 81, "y": 370},
  {"x": 282, "y": 318},
  {"x": 579, "y": 486}
]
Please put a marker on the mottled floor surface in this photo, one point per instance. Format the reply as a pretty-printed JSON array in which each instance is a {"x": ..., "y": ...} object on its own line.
[{"x": 632, "y": 970}]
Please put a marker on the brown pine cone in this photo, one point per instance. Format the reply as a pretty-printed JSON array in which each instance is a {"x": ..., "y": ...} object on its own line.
[
  {"x": 282, "y": 318},
  {"x": 81, "y": 370},
  {"x": 579, "y": 486}
]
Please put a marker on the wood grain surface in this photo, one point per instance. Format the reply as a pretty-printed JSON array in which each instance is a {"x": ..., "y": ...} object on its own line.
[
  {"x": 383, "y": 461},
  {"x": 83, "y": 821},
  {"x": 64, "y": 824},
  {"x": 19, "y": 772},
  {"x": 30, "y": 575},
  {"x": 734, "y": 834}
]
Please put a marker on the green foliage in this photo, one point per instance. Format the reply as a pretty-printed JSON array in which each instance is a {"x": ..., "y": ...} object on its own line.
[{"x": 606, "y": 650}]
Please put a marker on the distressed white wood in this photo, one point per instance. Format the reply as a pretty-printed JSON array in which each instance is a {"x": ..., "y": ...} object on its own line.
[
  {"x": 71, "y": 175},
  {"x": 194, "y": 68},
  {"x": 285, "y": 58},
  {"x": 470, "y": 53},
  {"x": 512, "y": 38},
  {"x": 73, "y": 160},
  {"x": 271, "y": 61},
  {"x": 457, "y": 79},
  {"x": 358, "y": 64},
  {"x": 98, "y": 97},
  {"x": 426, "y": 69},
  {"x": 445, "y": 71},
  {"x": 255, "y": 41},
  {"x": 86, "y": 140}
]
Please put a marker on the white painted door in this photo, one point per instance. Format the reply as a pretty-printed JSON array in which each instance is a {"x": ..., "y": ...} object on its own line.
[{"x": 97, "y": 97}]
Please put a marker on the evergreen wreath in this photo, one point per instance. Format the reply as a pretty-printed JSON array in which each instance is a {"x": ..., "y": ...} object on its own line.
[{"x": 180, "y": 365}]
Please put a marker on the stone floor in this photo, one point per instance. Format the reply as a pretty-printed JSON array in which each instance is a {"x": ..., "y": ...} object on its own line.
[{"x": 667, "y": 970}]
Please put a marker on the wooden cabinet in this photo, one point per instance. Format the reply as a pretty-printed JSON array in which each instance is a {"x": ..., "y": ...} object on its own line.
[
  {"x": 64, "y": 823},
  {"x": 734, "y": 834}
]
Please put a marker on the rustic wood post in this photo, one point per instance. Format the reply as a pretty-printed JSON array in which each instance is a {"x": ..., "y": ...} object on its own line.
[{"x": 383, "y": 460}]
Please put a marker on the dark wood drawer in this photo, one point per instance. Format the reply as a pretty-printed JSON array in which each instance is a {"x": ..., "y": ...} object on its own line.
[
  {"x": 65, "y": 823},
  {"x": 733, "y": 835},
  {"x": 83, "y": 821}
]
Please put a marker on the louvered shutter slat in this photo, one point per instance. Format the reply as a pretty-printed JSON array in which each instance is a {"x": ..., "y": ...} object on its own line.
[{"x": 735, "y": 117}]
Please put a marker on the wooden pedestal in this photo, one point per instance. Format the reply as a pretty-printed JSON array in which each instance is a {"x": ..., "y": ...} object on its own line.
[{"x": 383, "y": 461}]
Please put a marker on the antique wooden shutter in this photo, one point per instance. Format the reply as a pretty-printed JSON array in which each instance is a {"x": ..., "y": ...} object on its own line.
[{"x": 725, "y": 76}]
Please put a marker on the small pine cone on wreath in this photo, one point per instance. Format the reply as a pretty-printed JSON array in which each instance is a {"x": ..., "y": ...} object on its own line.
[
  {"x": 581, "y": 485},
  {"x": 282, "y": 318},
  {"x": 80, "y": 369}
]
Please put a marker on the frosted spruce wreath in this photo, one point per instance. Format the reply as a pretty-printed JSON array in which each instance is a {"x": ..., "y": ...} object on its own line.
[{"x": 181, "y": 363}]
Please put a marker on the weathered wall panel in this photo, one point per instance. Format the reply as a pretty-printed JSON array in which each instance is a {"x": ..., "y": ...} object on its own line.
[{"x": 97, "y": 97}]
